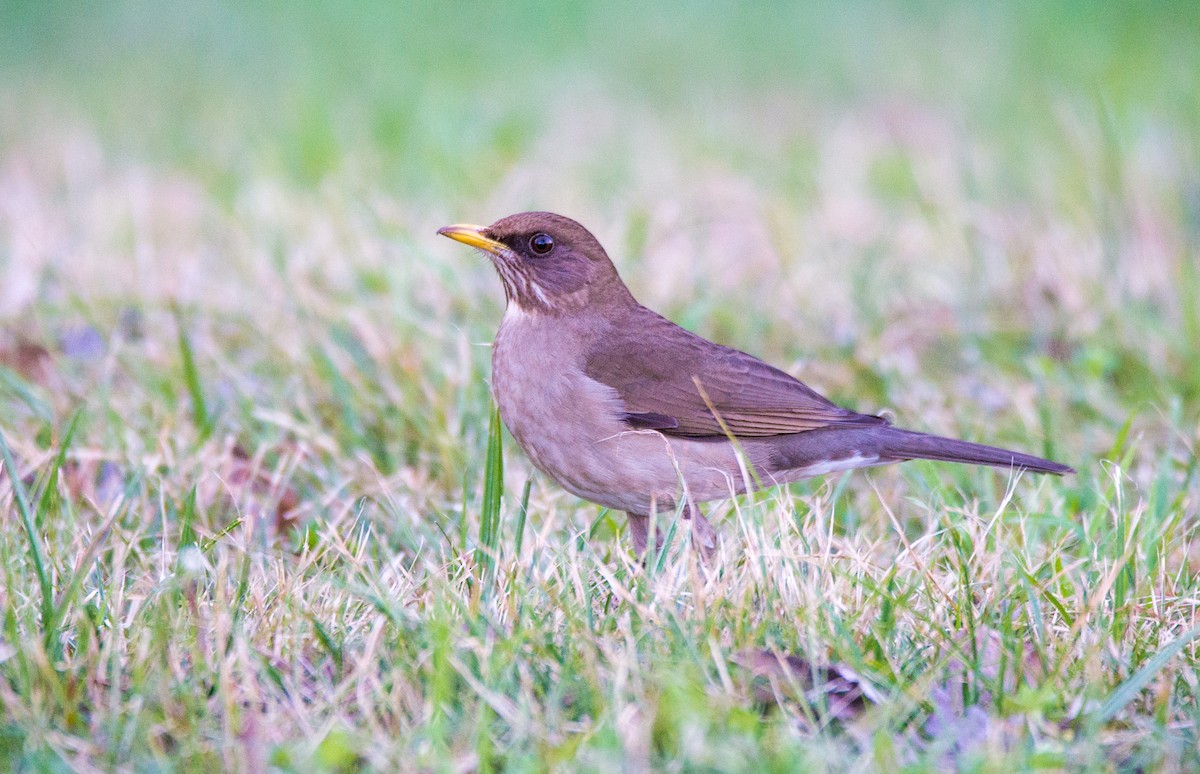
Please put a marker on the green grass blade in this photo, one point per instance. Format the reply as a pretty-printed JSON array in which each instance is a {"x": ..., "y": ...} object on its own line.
[
  {"x": 67, "y": 596},
  {"x": 187, "y": 518},
  {"x": 493, "y": 489},
  {"x": 522, "y": 514},
  {"x": 660, "y": 559},
  {"x": 332, "y": 648},
  {"x": 191, "y": 378},
  {"x": 49, "y": 499},
  {"x": 1129, "y": 689},
  {"x": 27, "y": 520}
]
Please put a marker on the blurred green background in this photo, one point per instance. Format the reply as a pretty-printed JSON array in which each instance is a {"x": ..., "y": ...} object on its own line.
[{"x": 423, "y": 87}]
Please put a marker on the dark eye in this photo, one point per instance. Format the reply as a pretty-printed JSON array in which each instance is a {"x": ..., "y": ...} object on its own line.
[{"x": 541, "y": 243}]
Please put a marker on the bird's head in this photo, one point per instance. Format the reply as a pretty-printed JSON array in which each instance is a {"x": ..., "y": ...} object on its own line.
[{"x": 548, "y": 264}]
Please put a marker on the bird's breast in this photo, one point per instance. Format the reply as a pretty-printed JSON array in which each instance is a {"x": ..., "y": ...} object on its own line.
[
  {"x": 555, "y": 412},
  {"x": 571, "y": 427},
  {"x": 544, "y": 396}
]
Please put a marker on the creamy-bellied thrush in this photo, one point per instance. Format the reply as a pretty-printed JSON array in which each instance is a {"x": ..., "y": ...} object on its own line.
[{"x": 624, "y": 408}]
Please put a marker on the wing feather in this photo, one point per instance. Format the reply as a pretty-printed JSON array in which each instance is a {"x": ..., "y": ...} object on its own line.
[{"x": 663, "y": 371}]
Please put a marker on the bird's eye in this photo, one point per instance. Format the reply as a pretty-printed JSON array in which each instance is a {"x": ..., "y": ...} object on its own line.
[{"x": 541, "y": 243}]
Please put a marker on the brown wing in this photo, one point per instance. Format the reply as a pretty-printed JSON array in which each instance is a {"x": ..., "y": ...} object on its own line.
[{"x": 654, "y": 365}]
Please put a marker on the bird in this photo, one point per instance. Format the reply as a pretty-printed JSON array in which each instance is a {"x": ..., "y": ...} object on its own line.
[{"x": 626, "y": 409}]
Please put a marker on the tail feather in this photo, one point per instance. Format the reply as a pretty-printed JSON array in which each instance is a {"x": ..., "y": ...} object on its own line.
[{"x": 909, "y": 445}]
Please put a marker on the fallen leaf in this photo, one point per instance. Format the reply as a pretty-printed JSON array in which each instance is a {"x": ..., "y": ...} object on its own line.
[
  {"x": 780, "y": 676},
  {"x": 261, "y": 496},
  {"x": 29, "y": 359}
]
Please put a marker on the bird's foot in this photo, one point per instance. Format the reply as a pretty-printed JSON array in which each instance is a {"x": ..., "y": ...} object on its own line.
[
  {"x": 639, "y": 529},
  {"x": 704, "y": 535}
]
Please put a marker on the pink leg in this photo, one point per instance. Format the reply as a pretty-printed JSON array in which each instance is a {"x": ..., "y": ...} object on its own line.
[
  {"x": 639, "y": 528},
  {"x": 704, "y": 535}
]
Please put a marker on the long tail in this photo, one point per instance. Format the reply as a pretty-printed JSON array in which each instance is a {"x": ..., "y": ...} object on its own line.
[{"x": 909, "y": 445}]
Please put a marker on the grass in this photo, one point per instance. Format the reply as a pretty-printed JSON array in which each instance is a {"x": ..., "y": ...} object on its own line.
[{"x": 256, "y": 510}]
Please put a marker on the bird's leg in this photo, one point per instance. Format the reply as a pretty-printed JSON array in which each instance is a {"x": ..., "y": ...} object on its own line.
[
  {"x": 704, "y": 535},
  {"x": 639, "y": 528}
]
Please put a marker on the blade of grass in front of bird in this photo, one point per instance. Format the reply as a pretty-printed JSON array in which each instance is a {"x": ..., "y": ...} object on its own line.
[
  {"x": 521, "y": 516},
  {"x": 493, "y": 488},
  {"x": 661, "y": 559}
]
